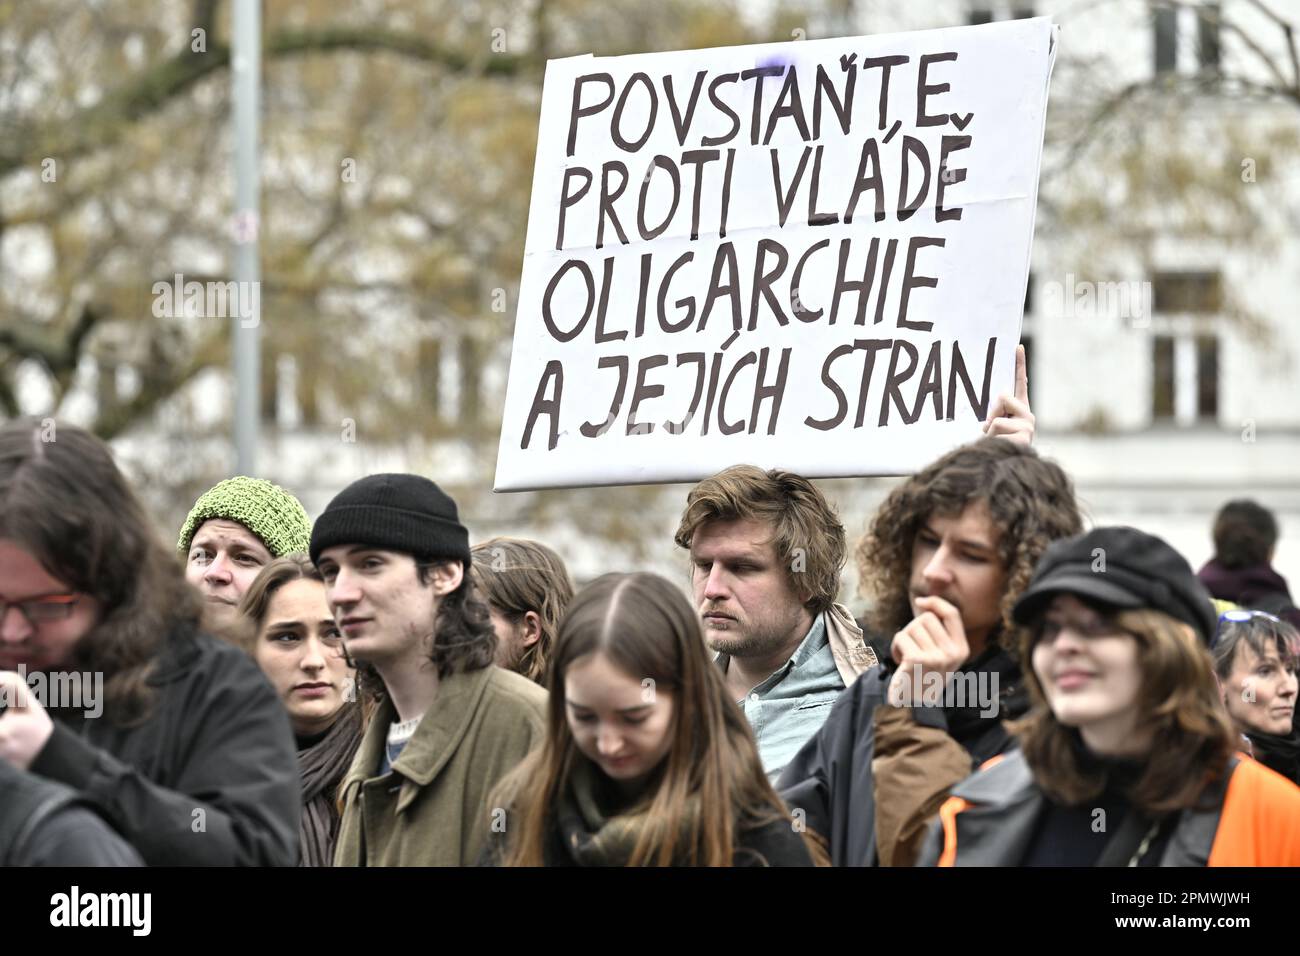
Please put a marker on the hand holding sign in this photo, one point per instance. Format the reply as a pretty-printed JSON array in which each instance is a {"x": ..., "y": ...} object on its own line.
[{"x": 1010, "y": 417}]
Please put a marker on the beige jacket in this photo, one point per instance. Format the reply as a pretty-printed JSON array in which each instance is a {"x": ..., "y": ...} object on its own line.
[
  {"x": 852, "y": 655},
  {"x": 432, "y": 808}
]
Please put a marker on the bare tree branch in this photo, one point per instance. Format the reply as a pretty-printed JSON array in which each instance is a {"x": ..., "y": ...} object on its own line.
[
  {"x": 111, "y": 421},
  {"x": 1288, "y": 31},
  {"x": 104, "y": 123}
]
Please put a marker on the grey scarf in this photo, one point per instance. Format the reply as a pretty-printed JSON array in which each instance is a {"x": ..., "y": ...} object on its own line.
[{"x": 322, "y": 767}]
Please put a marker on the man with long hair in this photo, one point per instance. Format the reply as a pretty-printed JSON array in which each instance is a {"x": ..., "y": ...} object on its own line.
[
  {"x": 766, "y": 551},
  {"x": 526, "y": 588},
  {"x": 449, "y": 724},
  {"x": 944, "y": 560},
  {"x": 186, "y": 752}
]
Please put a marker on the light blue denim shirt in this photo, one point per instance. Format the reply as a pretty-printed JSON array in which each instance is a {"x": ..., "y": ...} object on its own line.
[{"x": 792, "y": 704}]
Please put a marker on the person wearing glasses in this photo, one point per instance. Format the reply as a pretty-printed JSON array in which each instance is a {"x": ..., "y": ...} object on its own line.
[
  {"x": 1255, "y": 659},
  {"x": 297, "y": 643},
  {"x": 1126, "y": 757},
  {"x": 186, "y": 753}
]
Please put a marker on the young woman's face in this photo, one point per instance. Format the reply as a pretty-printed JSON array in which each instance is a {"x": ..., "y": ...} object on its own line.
[
  {"x": 620, "y": 722},
  {"x": 301, "y": 653},
  {"x": 1090, "y": 674},
  {"x": 1260, "y": 692}
]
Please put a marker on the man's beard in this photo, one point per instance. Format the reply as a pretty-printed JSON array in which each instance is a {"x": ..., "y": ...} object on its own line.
[{"x": 750, "y": 643}]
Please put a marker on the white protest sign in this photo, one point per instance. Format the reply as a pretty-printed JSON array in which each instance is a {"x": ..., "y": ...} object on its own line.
[{"x": 808, "y": 255}]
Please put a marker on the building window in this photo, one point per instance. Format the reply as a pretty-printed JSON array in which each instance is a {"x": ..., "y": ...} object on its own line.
[
  {"x": 1207, "y": 377},
  {"x": 1162, "y": 379},
  {"x": 1207, "y": 36},
  {"x": 1166, "y": 39},
  {"x": 471, "y": 376},
  {"x": 986, "y": 11},
  {"x": 1185, "y": 355},
  {"x": 270, "y": 397},
  {"x": 1198, "y": 293},
  {"x": 305, "y": 388},
  {"x": 1193, "y": 28},
  {"x": 429, "y": 375}
]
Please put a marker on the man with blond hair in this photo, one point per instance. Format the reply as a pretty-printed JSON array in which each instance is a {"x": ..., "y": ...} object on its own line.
[{"x": 766, "y": 552}]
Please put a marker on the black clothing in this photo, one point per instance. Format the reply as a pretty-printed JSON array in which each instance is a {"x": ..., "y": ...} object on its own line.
[
  {"x": 44, "y": 823},
  {"x": 1281, "y": 754},
  {"x": 831, "y": 779},
  {"x": 209, "y": 777}
]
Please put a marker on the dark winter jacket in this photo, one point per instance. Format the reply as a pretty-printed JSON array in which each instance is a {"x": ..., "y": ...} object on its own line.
[
  {"x": 592, "y": 826},
  {"x": 874, "y": 799},
  {"x": 1252, "y": 818},
  {"x": 43, "y": 823},
  {"x": 1279, "y": 754},
  {"x": 210, "y": 777},
  {"x": 1258, "y": 587},
  {"x": 773, "y": 844}
]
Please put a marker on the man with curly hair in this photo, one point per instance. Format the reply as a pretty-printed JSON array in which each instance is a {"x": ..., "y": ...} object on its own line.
[{"x": 944, "y": 559}]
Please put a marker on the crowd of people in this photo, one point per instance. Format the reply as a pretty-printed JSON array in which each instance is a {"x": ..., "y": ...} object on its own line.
[{"x": 371, "y": 690}]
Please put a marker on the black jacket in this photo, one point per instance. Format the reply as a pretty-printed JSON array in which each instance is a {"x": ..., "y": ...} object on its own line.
[
  {"x": 1258, "y": 587},
  {"x": 1279, "y": 754},
  {"x": 991, "y": 819},
  {"x": 830, "y": 779},
  {"x": 210, "y": 777},
  {"x": 773, "y": 844},
  {"x": 43, "y": 823}
]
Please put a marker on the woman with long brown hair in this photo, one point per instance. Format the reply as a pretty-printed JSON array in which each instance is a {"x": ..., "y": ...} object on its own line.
[
  {"x": 293, "y": 637},
  {"x": 646, "y": 761},
  {"x": 1126, "y": 757}
]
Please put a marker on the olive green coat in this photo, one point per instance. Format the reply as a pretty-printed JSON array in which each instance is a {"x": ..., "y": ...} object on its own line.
[{"x": 432, "y": 808}]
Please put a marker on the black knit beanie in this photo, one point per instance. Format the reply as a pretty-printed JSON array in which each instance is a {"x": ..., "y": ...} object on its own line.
[{"x": 405, "y": 513}]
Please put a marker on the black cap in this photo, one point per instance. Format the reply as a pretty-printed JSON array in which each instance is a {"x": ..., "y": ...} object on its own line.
[
  {"x": 405, "y": 513},
  {"x": 1123, "y": 568}
]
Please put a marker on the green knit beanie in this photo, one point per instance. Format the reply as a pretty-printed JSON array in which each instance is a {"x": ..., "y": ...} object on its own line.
[{"x": 267, "y": 510}]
